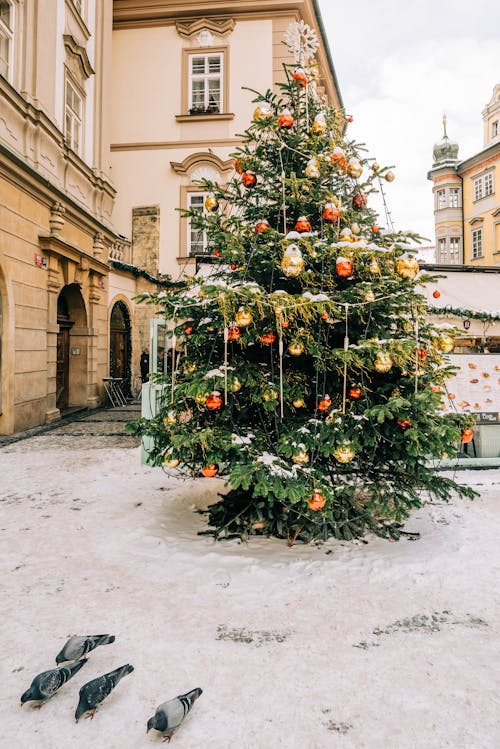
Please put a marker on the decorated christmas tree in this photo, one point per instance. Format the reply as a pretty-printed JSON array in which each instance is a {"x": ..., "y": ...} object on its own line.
[{"x": 304, "y": 370}]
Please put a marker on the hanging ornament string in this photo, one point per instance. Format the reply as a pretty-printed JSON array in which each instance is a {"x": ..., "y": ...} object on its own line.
[
  {"x": 388, "y": 216},
  {"x": 174, "y": 344},
  {"x": 346, "y": 348}
]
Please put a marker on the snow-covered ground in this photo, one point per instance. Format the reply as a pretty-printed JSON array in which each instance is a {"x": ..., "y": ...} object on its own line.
[{"x": 378, "y": 645}]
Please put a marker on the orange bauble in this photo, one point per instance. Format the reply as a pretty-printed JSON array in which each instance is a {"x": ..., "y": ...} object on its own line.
[
  {"x": 359, "y": 201},
  {"x": 375, "y": 229},
  {"x": 436, "y": 294},
  {"x": 349, "y": 118},
  {"x": 249, "y": 179},
  {"x": 302, "y": 224},
  {"x": 344, "y": 267},
  {"x": 325, "y": 403},
  {"x": 330, "y": 213},
  {"x": 268, "y": 338},
  {"x": 239, "y": 166},
  {"x": 337, "y": 154},
  {"x": 233, "y": 333},
  {"x": 300, "y": 77},
  {"x": 317, "y": 501},
  {"x": 214, "y": 401},
  {"x": 403, "y": 423},
  {"x": 467, "y": 435},
  {"x": 261, "y": 226},
  {"x": 210, "y": 471},
  {"x": 233, "y": 266},
  {"x": 422, "y": 354},
  {"x": 285, "y": 119},
  {"x": 188, "y": 329},
  {"x": 355, "y": 392}
]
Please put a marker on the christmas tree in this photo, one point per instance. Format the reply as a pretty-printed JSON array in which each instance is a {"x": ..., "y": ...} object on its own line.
[{"x": 305, "y": 371}]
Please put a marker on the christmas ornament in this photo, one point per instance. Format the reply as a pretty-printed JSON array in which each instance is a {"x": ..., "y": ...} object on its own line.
[
  {"x": 317, "y": 501},
  {"x": 292, "y": 263},
  {"x": 375, "y": 167},
  {"x": 169, "y": 461},
  {"x": 319, "y": 125},
  {"x": 300, "y": 77},
  {"x": 466, "y": 435},
  {"x": 355, "y": 392},
  {"x": 359, "y": 201},
  {"x": 213, "y": 401},
  {"x": 170, "y": 419},
  {"x": 239, "y": 166},
  {"x": 445, "y": 343},
  {"x": 268, "y": 338},
  {"x": 301, "y": 41},
  {"x": 201, "y": 398},
  {"x": 285, "y": 119},
  {"x": 185, "y": 416},
  {"x": 270, "y": 395},
  {"x": 337, "y": 155},
  {"x": 346, "y": 235},
  {"x": 235, "y": 385},
  {"x": 330, "y": 213},
  {"x": 243, "y": 317},
  {"x": 325, "y": 403},
  {"x": 188, "y": 329},
  {"x": 262, "y": 113},
  {"x": 296, "y": 348},
  {"x": 390, "y": 176},
  {"x": 302, "y": 224},
  {"x": 355, "y": 228},
  {"x": 233, "y": 333},
  {"x": 374, "y": 267},
  {"x": 354, "y": 167},
  {"x": 298, "y": 403},
  {"x": 436, "y": 294},
  {"x": 375, "y": 229},
  {"x": 211, "y": 203},
  {"x": 189, "y": 367},
  {"x": 349, "y": 118},
  {"x": 407, "y": 267},
  {"x": 383, "y": 362},
  {"x": 233, "y": 266},
  {"x": 344, "y": 454},
  {"x": 312, "y": 168},
  {"x": 301, "y": 458},
  {"x": 422, "y": 354},
  {"x": 344, "y": 267},
  {"x": 249, "y": 179},
  {"x": 369, "y": 296},
  {"x": 404, "y": 424},
  {"x": 261, "y": 226},
  {"x": 210, "y": 470}
]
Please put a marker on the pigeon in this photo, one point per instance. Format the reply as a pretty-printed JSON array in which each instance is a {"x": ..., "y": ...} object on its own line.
[
  {"x": 78, "y": 646},
  {"x": 94, "y": 692},
  {"x": 47, "y": 683},
  {"x": 169, "y": 715}
]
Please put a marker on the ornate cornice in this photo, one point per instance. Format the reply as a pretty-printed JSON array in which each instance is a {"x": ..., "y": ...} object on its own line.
[
  {"x": 195, "y": 159},
  {"x": 80, "y": 53},
  {"x": 221, "y": 27}
]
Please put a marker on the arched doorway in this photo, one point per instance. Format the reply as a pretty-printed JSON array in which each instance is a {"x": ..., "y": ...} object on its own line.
[
  {"x": 71, "y": 374},
  {"x": 119, "y": 345}
]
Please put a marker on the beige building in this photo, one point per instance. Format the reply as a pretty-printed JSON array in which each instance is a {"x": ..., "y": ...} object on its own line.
[{"x": 467, "y": 196}]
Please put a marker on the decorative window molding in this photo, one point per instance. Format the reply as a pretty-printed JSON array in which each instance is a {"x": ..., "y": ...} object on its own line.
[
  {"x": 477, "y": 244},
  {"x": 80, "y": 54},
  {"x": 7, "y": 28},
  {"x": 194, "y": 28},
  {"x": 195, "y": 159},
  {"x": 476, "y": 221},
  {"x": 483, "y": 186},
  {"x": 440, "y": 199},
  {"x": 205, "y": 81},
  {"x": 73, "y": 117},
  {"x": 454, "y": 197}
]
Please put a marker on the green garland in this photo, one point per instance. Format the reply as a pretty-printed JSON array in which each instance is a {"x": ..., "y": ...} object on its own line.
[
  {"x": 461, "y": 312},
  {"x": 164, "y": 282}
]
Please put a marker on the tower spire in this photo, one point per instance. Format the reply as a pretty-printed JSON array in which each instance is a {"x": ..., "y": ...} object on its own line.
[{"x": 445, "y": 134}]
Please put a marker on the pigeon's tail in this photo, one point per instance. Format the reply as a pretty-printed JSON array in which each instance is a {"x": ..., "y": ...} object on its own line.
[
  {"x": 75, "y": 667},
  {"x": 119, "y": 673},
  {"x": 192, "y": 695},
  {"x": 103, "y": 639}
]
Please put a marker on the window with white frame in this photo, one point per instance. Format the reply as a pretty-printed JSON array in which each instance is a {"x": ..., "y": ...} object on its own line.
[
  {"x": 454, "y": 197},
  {"x": 441, "y": 199},
  {"x": 442, "y": 251},
  {"x": 494, "y": 128},
  {"x": 197, "y": 238},
  {"x": 73, "y": 117},
  {"x": 454, "y": 252},
  {"x": 6, "y": 38},
  {"x": 477, "y": 243},
  {"x": 206, "y": 83},
  {"x": 483, "y": 186},
  {"x": 488, "y": 183}
]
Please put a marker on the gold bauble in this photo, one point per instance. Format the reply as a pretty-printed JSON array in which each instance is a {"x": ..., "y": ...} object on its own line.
[
  {"x": 292, "y": 263},
  {"x": 407, "y": 267},
  {"x": 298, "y": 403},
  {"x": 346, "y": 235},
  {"x": 301, "y": 458},
  {"x": 296, "y": 348},
  {"x": 375, "y": 167},
  {"x": 262, "y": 113},
  {"x": 170, "y": 419},
  {"x": 312, "y": 168},
  {"x": 390, "y": 176},
  {"x": 445, "y": 343},
  {"x": 319, "y": 125},
  {"x": 235, "y": 385},
  {"x": 270, "y": 395},
  {"x": 354, "y": 167},
  {"x": 189, "y": 367},
  {"x": 383, "y": 362},
  {"x": 374, "y": 267},
  {"x": 344, "y": 454},
  {"x": 200, "y": 398},
  {"x": 243, "y": 318},
  {"x": 355, "y": 228},
  {"x": 369, "y": 296},
  {"x": 211, "y": 203},
  {"x": 170, "y": 462}
]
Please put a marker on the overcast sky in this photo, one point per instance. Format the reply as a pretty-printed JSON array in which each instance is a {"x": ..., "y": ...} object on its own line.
[{"x": 400, "y": 66}]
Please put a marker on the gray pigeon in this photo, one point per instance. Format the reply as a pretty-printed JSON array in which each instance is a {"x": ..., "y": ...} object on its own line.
[
  {"x": 47, "y": 683},
  {"x": 78, "y": 646},
  {"x": 94, "y": 692},
  {"x": 169, "y": 715}
]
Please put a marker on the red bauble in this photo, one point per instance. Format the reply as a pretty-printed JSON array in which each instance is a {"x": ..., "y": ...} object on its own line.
[
  {"x": 300, "y": 77},
  {"x": 302, "y": 224},
  {"x": 325, "y": 403},
  {"x": 422, "y": 354},
  {"x": 239, "y": 166},
  {"x": 217, "y": 253},
  {"x": 467, "y": 435},
  {"x": 285, "y": 119},
  {"x": 375, "y": 229},
  {"x": 403, "y": 423},
  {"x": 330, "y": 213},
  {"x": 436, "y": 294},
  {"x": 188, "y": 329},
  {"x": 210, "y": 470},
  {"x": 359, "y": 201},
  {"x": 233, "y": 333},
  {"x": 233, "y": 266},
  {"x": 317, "y": 501},
  {"x": 355, "y": 392},
  {"x": 214, "y": 401},
  {"x": 249, "y": 179},
  {"x": 349, "y": 118},
  {"x": 344, "y": 267},
  {"x": 261, "y": 226},
  {"x": 268, "y": 338}
]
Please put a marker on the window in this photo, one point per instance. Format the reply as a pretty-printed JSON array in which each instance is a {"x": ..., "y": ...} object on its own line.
[
  {"x": 206, "y": 83},
  {"x": 441, "y": 199},
  {"x": 483, "y": 186},
  {"x": 6, "y": 38},
  {"x": 477, "y": 243},
  {"x": 197, "y": 238},
  {"x": 453, "y": 197},
  {"x": 494, "y": 129},
  {"x": 73, "y": 118},
  {"x": 454, "y": 249},
  {"x": 442, "y": 251}
]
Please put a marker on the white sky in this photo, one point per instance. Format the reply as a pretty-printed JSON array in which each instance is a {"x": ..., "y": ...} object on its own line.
[{"x": 400, "y": 66}]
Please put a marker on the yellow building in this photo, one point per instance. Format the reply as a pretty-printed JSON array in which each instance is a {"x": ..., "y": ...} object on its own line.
[{"x": 467, "y": 197}]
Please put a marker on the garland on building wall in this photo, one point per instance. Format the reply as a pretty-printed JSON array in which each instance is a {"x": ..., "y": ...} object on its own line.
[
  {"x": 450, "y": 311},
  {"x": 165, "y": 282}
]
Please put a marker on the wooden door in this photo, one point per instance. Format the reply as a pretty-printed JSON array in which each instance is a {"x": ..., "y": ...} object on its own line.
[{"x": 62, "y": 371}]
